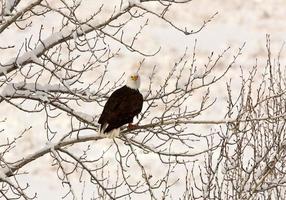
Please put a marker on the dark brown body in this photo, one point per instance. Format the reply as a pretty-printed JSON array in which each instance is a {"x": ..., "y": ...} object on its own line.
[{"x": 122, "y": 106}]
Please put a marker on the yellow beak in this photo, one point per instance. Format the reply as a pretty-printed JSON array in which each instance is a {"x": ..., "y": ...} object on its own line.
[{"x": 134, "y": 78}]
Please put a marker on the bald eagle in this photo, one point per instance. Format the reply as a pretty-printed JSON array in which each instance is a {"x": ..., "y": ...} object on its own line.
[{"x": 122, "y": 106}]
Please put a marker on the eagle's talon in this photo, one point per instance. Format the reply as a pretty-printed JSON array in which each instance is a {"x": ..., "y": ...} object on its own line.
[{"x": 131, "y": 126}]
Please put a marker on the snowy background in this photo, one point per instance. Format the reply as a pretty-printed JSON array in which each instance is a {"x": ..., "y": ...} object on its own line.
[{"x": 237, "y": 22}]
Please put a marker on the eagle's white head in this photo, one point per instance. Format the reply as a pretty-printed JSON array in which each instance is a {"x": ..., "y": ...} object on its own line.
[{"x": 133, "y": 81}]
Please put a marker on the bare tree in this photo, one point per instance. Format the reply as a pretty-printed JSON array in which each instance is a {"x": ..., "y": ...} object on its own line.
[{"x": 60, "y": 71}]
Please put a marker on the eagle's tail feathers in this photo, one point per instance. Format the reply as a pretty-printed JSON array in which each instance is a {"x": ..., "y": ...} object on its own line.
[
  {"x": 103, "y": 128},
  {"x": 113, "y": 133},
  {"x": 110, "y": 134}
]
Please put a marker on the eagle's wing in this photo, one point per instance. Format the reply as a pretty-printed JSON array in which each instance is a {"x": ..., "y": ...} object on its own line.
[
  {"x": 136, "y": 105},
  {"x": 111, "y": 106}
]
